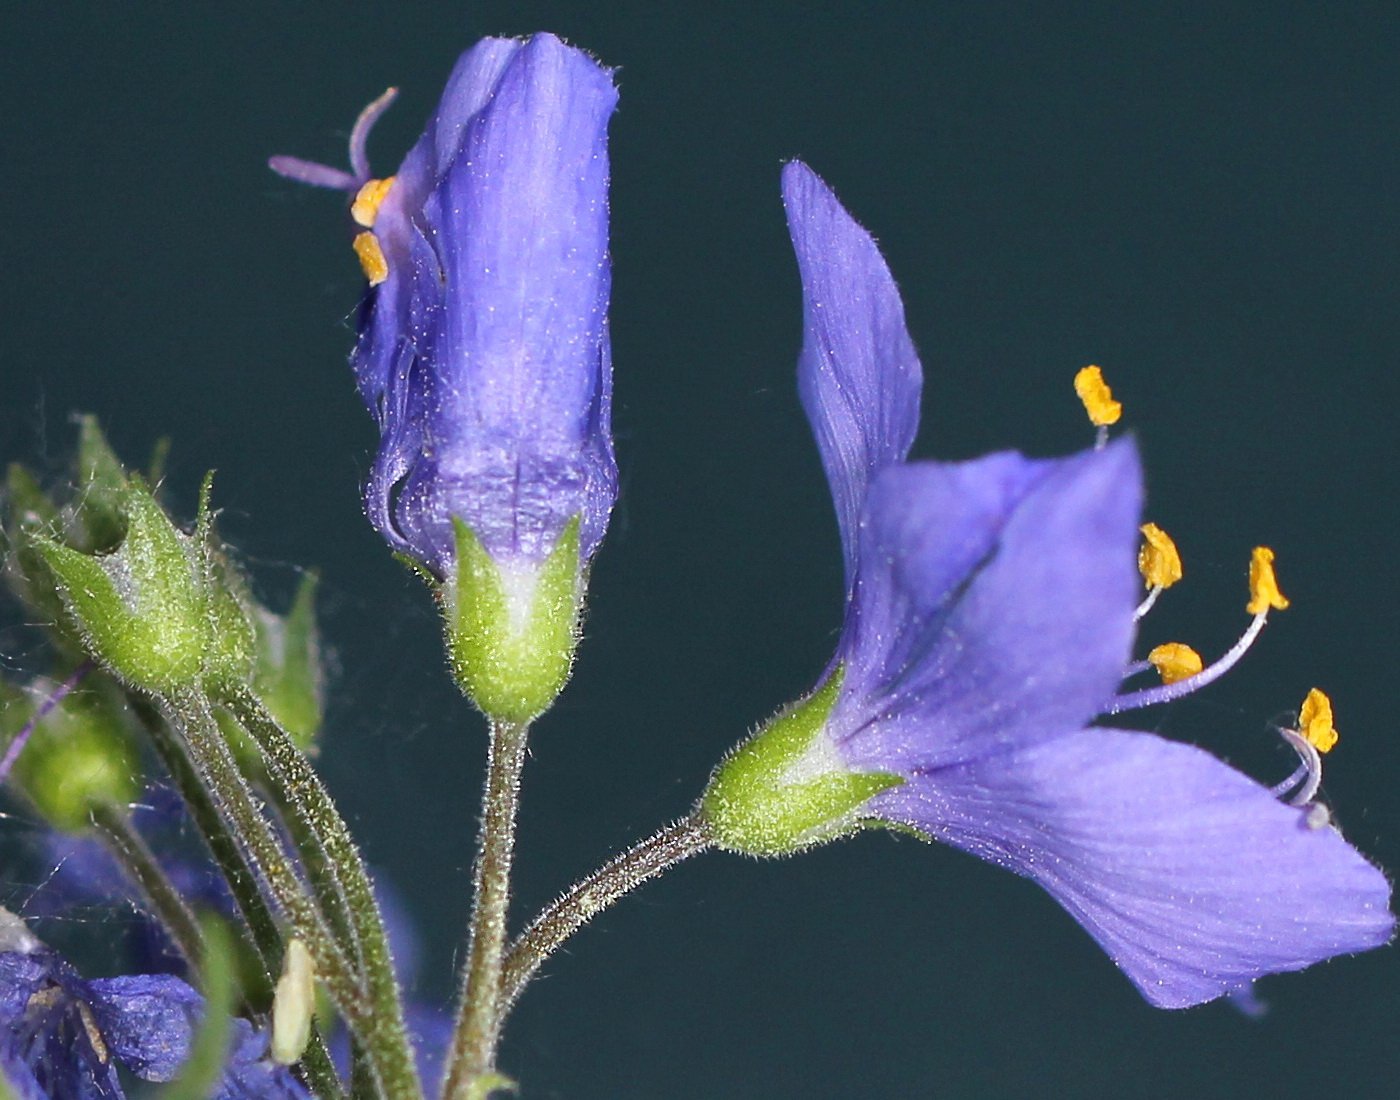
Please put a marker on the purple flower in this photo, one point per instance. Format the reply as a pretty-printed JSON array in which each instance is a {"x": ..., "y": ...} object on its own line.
[
  {"x": 989, "y": 620},
  {"x": 63, "y": 1037},
  {"x": 483, "y": 348}
]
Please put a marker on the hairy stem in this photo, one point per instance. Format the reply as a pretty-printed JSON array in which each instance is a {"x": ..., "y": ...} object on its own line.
[
  {"x": 386, "y": 1044},
  {"x": 478, "y": 1027},
  {"x": 342, "y": 883},
  {"x": 259, "y": 923},
  {"x": 135, "y": 857},
  {"x": 258, "y": 917},
  {"x": 591, "y": 895}
]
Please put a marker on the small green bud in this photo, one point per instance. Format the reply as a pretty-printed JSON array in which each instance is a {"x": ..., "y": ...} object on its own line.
[
  {"x": 142, "y": 609},
  {"x": 287, "y": 675},
  {"x": 80, "y": 754},
  {"x": 512, "y": 630},
  {"x": 785, "y": 789}
]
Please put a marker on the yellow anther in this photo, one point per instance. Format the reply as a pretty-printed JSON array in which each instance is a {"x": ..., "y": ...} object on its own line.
[
  {"x": 365, "y": 208},
  {"x": 1158, "y": 560},
  {"x": 1263, "y": 585},
  {"x": 1097, "y": 397},
  {"x": 1315, "y": 718},
  {"x": 1175, "y": 661},
  {"x": 371, "y": 256}
]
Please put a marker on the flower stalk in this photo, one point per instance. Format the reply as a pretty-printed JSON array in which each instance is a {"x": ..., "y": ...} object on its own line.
[
  {"x": 595, "y": 892},
  {"x": 325, "y": 837},
  {"x": 476, "y": 1033},
  {"x": 382, "y": 1034}
]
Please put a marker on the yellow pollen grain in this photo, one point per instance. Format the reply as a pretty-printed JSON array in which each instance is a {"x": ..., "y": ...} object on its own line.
[
  {"x": 1097, "y": 397},
  {"x": 1315, "y": 718},
  {"x": 365, "y": 208},
  {"x": 1263, "y": 585},
  {"x": 1175, "y": 661},
  {"x": 1158, "y": 559},
  {"x": 371, "y": 256}
]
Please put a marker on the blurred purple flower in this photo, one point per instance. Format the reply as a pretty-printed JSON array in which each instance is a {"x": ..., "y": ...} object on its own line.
[
  {"x": 63, "y": 1037},
  {"x": 483, "y": 348},
  {"x": 989, "y": 621}
]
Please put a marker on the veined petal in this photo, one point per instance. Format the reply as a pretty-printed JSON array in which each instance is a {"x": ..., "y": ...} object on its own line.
[
  {"x": 382, "y": 334},
  {"x": 148, "y": 1021},
  {"x": 859, "y": 376},
  {"x": 1193, "y": 877},
  {"x": 993, "y": 605}
]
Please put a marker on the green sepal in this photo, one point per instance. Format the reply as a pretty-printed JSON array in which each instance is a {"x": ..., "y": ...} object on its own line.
[
  {"x": 778, "y": 793},
  {"x": 232, "y": 653},
  {"x": 143, "y": 609},
  {"x": 511, "y": 634},
  {"x": 99, "y": 519},
  {"x": 287, "y": 672},
  {"x": 29, "y": 513},
  {"x": 80, "y": 754}
]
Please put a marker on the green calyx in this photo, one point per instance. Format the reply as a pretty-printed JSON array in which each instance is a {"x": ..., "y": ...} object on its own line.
[
  {"x": 512, "y": 630},
  {"x": 785, "y": 789},
  {"x": 154, "y": 611}
]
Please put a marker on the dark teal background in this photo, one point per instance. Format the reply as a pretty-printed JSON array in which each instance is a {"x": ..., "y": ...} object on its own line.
[{"x": 1201, "y": 198}]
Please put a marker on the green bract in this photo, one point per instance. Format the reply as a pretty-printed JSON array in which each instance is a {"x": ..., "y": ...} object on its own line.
[
  {"x": 779, "y": 792},
  {"x": 511, "y": 632}
]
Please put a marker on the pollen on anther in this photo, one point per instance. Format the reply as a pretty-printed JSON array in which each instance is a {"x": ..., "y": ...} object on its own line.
[
  {"x": 371, "y": 257},
  {"x": 1175, "y": 661},
  {"x": 1158, "y": 559},
  {"x": 1315, "y": 721},
  {"x": 1263, "y": 585},
  {"x": 365, "y": 209},
  {"x": 1097, "y": 397}
]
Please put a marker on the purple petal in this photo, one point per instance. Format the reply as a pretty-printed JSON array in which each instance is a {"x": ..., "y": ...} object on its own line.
[
  {"x": 393, "y": 319},
  {"x": 993, "y": 605},
  {"x": 858, "y": 376},
  {"x": 249, "y": 1074},
  {"x": 1193, "y": 877},
  {"x": 148, "y": 1021},
  {"x": 23, "y": 1084}
]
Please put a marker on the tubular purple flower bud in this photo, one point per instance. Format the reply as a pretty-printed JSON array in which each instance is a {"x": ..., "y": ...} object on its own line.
[{"x": 483, "y": 345}]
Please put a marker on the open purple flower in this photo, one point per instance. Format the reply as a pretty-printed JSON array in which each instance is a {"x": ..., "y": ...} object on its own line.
[
  {"x": 483, "y": 347},
  {"x": 990, "y": 619}
]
